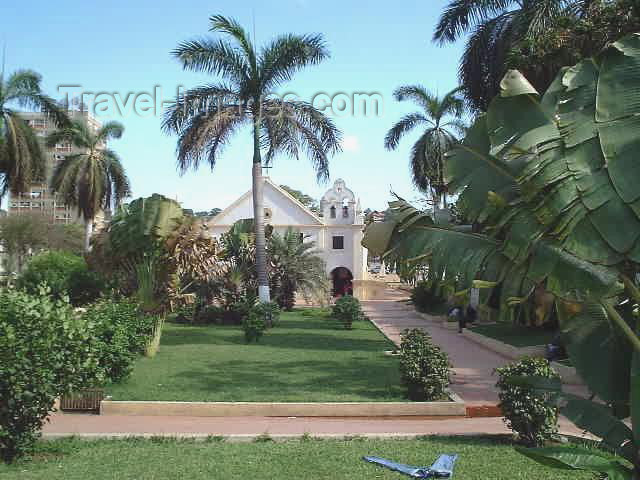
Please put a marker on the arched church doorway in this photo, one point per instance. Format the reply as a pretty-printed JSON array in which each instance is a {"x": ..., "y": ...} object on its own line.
[{"x": 342, "y": 281}]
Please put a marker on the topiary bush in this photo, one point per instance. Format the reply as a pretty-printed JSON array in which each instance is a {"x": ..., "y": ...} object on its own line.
[
  {"x": 527, "y": 411},
  {"x": 66, "y": 274},
  {"x": 424, "y": 367},
  {"x": 122, "y": 333},
  {"x": 46, "y": 350},
  {"x": 347, "y": 310},
  {"x": 254, "y": 325}
]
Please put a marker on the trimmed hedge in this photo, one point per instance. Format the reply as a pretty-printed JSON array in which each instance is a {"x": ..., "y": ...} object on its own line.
[
  {"x": 526, "y": 411},
  {"x": 424, "y": 367}
]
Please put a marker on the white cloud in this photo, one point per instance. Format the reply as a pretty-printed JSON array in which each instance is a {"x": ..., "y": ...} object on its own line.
[{"x": 351, "y": 143}]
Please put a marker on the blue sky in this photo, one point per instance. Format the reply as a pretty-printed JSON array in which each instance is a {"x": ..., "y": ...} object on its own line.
[{"x": 124, "y": 46}]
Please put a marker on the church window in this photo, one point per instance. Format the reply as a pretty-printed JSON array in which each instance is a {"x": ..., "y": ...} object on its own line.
[
  {"x": 338, "y": 242},
  {"x": 345, "y": 212},
  {"x": 332, "y": 211}
]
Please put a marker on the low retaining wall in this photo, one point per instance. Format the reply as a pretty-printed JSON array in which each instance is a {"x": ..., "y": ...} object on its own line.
[
  {"x": 256, "y": 409},
  {"x": 567, "y": 373},
  {"x": 504, "y": 349}
]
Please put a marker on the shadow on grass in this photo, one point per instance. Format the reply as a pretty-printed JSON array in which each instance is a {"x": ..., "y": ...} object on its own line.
[
  {"x": 287, "y": 338},
  {"x": 234, "y": 379}
]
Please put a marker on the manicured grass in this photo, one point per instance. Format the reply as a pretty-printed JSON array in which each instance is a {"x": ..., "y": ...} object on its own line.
[
  {"x": 306, "y": 358},
  {"x": 480, "y": 459},
  {"x": 516, "y": 335}
]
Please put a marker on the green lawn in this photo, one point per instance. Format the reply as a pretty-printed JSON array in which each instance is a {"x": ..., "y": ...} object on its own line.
[
  {"x": 480, "y": 459},
  {"x": 516, "y": 335},
  {"x": 304, "y": 359}
]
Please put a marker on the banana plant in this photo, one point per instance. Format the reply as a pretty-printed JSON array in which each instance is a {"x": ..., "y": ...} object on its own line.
[{"x": 552, "y": 185}]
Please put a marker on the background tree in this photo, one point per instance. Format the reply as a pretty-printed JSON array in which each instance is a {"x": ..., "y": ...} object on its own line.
[
  {"x": 25, "y": 235},
  {"x": 295, "y": 267},
  {"x": 308, "y": 201},
  {"x": 205, "y": 117},
  {"x": 93, "y": 180},
  {"x": 441, "y": 119},
  {"x": 22, "y": 236},
  {"x": 536, "y": 36},
  {"x": 21, "y": 159}
]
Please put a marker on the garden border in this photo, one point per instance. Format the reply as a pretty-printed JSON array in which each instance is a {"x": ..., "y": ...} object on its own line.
[
  {"x": 454, "y": 408},
  {"x": 504, "y": 349}
]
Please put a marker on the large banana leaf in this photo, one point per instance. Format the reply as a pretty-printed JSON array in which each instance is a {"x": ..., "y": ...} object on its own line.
[
  {"x": 578, "y": 458},
  {"x": 607, "y": 372},
  {"x": 137, "y": 228}
]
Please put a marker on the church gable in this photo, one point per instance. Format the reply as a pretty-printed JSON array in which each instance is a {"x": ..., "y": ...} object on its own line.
[{"x": 280, "y": 207}]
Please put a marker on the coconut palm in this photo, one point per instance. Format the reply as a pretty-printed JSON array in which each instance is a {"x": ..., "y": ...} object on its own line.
[
  {"x": 207, "y": 116},
  {"x": 496, "y": 27},
  {"x": 94, "y": 179},
  {"x": 21, "y": 158},
  {"x": 441, "y": 119}
]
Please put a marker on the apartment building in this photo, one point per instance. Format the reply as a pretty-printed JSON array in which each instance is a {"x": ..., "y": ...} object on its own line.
[{"x": 40, "y": 198}]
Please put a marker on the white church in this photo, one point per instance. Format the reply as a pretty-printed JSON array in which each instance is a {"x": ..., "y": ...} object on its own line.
[{"x": 337, "y": 230}]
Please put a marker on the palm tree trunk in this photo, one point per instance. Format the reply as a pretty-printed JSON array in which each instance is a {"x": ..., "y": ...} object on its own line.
[
  {"x": 88, "y": 230},
  {"x": 258, "y": 218}
]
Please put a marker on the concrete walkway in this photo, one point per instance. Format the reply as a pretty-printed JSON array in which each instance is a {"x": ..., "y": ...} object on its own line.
[
  {"x": 473, "y": 364},
  {"x": 242, "y": 428}
]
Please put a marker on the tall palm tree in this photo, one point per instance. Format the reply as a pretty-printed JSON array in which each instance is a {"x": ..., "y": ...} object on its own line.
[
  {"x": 496, "y": 27},
  {"x": 441, "y": 118},
  {"x": 94, "y": 178},
  {"x": 21, "y": 158},
  {"x": 206, "y": 117}
]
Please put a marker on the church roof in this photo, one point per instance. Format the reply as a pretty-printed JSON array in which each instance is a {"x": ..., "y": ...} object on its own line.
[{"x": 312, "y": 217}]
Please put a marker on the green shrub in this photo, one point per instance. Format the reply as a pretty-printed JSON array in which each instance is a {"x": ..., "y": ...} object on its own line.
[
  {"x": 526, "y": 411},
  {"x": 347, "y": 310},
  {"x": 211, "y": 314},
  {"x": 46, "y": 350},
  {"x": 122, "y": 332},
  {"x": 425, "y": 296},
  {"x": 424, "y": 367},
  {"x": 254, "y": 325},
  {"x": 270, "y": 312},
  {"x": 65, "y": 274}
]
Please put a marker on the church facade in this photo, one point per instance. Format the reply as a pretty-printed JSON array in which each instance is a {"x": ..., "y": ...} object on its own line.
[{"x": 336, "y": 230}]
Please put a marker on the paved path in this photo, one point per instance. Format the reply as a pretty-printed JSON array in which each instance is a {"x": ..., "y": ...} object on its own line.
[
  {"x": 250, "y": 427},
  {"x": 473, "y": 364}
]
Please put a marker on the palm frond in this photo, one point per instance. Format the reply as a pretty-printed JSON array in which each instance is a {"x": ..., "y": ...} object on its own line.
[
  {"x": 214, "y": 57},
  {"x": 404, "y": 126},
  {"x": 289, "y": 126},
  {"x": 23, "y": 161},
  {"x": 417, "y": 94},
  {"x": 109, "y": 131},
  {"x": 461, "y": 15},
  {"x": 231, "y": 27},
  {"x": 482, "y": 65},
  {"x": 204, "y": 135},
  {"x": 196, "y": 101},
  {"x": 288, "y": 54}
]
